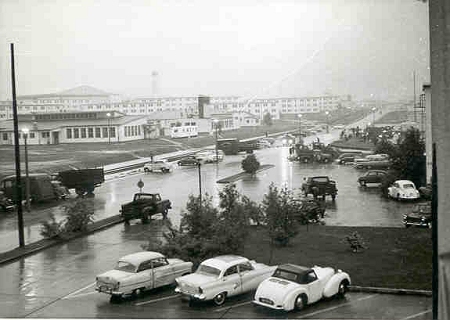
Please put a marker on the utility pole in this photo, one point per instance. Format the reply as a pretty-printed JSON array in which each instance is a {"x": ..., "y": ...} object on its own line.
[
  {"x": 17, "y": 152},
  {"x": 414, "y": 106}
]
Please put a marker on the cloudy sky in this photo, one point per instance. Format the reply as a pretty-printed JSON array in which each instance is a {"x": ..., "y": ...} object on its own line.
[{"x": 366, "y": 48}]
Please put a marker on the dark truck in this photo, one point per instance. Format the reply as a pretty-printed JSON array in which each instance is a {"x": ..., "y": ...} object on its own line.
[
  {"x": 233, "y": 146},
  {"x": 84, "y": 181},
  {"x": 320, "y": 186},
  {"x": 143, "y": 206}
]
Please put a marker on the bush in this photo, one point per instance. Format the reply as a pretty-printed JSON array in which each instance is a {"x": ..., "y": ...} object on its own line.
[
  {"x": 250, "y": 164},
  {"x": 355, "y": 241},
  {"x": 79, "y": 214},
  {"x": 51, "y": 229}
]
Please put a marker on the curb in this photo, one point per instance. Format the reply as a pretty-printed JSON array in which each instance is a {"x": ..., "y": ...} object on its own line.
[
  {"x": 426, "y": 293},
  {"x": 31, "y": 248}
]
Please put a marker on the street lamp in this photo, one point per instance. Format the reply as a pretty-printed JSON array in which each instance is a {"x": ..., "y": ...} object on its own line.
[
  {"x": 299, "y": 128},
  {"x": 25, "y": 132},
  {"x": 216, "y": 124},
  {"x": 328, "y": 120},
  {"x": 109, "y": 127},
  {"x": 373, "y": 115}
]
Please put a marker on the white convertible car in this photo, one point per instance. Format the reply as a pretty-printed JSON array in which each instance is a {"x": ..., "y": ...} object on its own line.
[
  {"x": 221, "y": 277},
  {"x": 140, "y": 271},
  {"x": 292, "y": 287}
]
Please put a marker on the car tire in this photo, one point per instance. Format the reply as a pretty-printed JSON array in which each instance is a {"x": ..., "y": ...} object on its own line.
[
  {"x": 362, "y": 183},
  {"x": 398, "y": 197},
  {"x": 146, "y": 170},
  {"x": 342, "y": 289},
  {"x": 407, "y": 225},
  {"x": 325, "y": 160},
  {"x": 164, "y": 213},
  {"x": 115, "y": 298},
  {"x": 138, "y": 292},
  {"x": 333, "y": 197},
  {"x": 300, "y": 302},
  {"x": 220, "y": 298}
]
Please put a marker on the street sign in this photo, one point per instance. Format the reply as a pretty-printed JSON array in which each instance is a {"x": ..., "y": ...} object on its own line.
[{"x": 140, "y": 185}]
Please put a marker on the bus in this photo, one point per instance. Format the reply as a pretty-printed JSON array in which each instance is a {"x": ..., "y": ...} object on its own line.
[{"x": 184, "y": 131}]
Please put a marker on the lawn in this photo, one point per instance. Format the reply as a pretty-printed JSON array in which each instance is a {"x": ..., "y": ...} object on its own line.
[
  {"x": 394, "y": 258},
  {"x": 353, "y": 143}
]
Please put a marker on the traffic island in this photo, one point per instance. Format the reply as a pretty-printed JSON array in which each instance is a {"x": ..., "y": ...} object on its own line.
[{"x": 243, "y": 175}]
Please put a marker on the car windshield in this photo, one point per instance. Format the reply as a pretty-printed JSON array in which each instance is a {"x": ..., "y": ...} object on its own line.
[
  {"x": 408, "y": 186},
  {"x": 125, "y": 266},
  {"x": 208, "y": 270},
  {"x": 320, "y": 179},
  {"x": 283, "y": 274}
]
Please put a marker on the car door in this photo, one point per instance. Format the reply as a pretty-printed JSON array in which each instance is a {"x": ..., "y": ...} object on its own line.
[
  {"x": 144, "y": 277},
  {"x": 314, "y": 286},
  {"x": 162, "y": 273},
  {"x": 371, "y": 177},
  {"x": 249, "y": 277},
  {"x": 232, "y": 281}
]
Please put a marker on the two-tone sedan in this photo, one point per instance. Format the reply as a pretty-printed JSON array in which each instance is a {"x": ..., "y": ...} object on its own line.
[
  {"x": 292, "y": 287},
  {"x": 221, "y": 277},
  {"x": 140, "y": 271}
]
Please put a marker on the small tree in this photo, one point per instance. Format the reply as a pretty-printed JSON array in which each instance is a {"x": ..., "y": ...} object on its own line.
[
  {"x": 250, "y": 164},
  {"x": 52, "y": 228},
  {"x": 355, "y": 241},
  {"x": 267, "y": 119},
  {"x": 80, "y": 213}
]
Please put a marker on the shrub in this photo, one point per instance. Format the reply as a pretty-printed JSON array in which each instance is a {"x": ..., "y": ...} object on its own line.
[
  {"x": 355, "y": 241},
  {"x": 250, "y": 164},
  {"x": 51, "y": 229},
  {"x": 79, "y": 213}
]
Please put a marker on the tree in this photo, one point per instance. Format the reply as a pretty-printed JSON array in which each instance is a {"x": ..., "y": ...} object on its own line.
[
  {"x": 267, "y": 119},
  {"x": 279, "y": 211},
  {"x": 250, "y": 164}
]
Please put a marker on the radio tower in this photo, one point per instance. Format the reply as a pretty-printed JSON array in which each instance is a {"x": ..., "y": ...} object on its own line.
[{"x": 155, "y": 83}]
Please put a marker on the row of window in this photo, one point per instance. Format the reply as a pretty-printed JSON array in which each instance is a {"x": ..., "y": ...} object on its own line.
[
  {"x": 31, "y": 135},
  {"x": 132, "y": 131},
  {"x": 90, "y": 132}
]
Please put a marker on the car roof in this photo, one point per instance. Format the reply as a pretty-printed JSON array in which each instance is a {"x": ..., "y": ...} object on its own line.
[
  {"x": 403, "y": 181},
  {"x": 294, "y": 268},
  {"x": 225, "y": 261},
  {"x": 138, "y": 257}
]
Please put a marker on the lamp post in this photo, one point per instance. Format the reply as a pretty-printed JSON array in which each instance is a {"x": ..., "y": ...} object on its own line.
[
  {"x": 328, "y": 121},
  {"x": 373, "y": 115},
  {"x": 216, "y": 125},
  {"x": 25, "y": 132},
  {"x": 299, "y": 128},
  {"x": 109, "y": 127},
  {"x": 199, "y": 165}
]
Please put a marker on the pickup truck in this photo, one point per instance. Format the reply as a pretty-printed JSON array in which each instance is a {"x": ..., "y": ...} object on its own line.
[
  {"x": 145, "y": 205},
  {"x": 320, "y": 186}
]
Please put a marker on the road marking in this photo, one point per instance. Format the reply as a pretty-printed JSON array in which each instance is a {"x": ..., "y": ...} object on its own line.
[
  {"x": 76, "y": 291},
  {"x": 417, "y": 314},
  {"x": 156, "y": 300},
  {"x": 335, "y": 307},
  {"x": 233, "y": 306}
]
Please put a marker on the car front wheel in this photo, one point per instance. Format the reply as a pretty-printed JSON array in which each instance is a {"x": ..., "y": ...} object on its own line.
[
  {"x": 343, "y": 288},
  {"x": 219, "y": 299}
]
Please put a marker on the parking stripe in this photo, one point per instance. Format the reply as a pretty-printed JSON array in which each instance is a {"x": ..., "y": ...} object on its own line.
[
  {"x": 156, "y": 300},
  {"x": 417, "y": 314},
  {"x": 233, "y": 306},
  {"x": 335, "y": 307}
]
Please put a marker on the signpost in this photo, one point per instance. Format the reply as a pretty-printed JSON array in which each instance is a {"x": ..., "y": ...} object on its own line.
[{"x": 140, "y": 185}]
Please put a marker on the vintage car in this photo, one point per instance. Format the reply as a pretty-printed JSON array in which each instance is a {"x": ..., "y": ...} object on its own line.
[
  {"x": 292, "y": 287},
  {"x": 6, "y": 203},
  {"x": 158, "y": 165},
  {"x": 419, "y": 216},
  {"x": 140, "y": 271},
  {"x": 371, "y": 176},
  {"x": 403, "y": 190},
  {"x": 188, "y": 161},
  {"x": 221, "y": 277},
  {"x": 210, "y": 156}
]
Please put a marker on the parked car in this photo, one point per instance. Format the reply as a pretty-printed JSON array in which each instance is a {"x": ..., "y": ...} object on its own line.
[
  {"x": 158, "y": 165},
  {"x": 84, "y": 181},
  {"x": 372, "y": 176},
  {"x": 419, "y": 216},
  {"x": 310, "y": 209},
  {"x": 403, "y": 190},
  {"x": 144, "y": 206},
  {"x": 292, "y": 287},
  {"x": 140, "y": 271},
  {"x": 372, "y": 164},
  {"x": 188, "y": 161},
  {"x": 221, "y": 277},
  {"x": 347, "y": 157},
  {"x": 6, "y": 203},
  {"x": 210, "y": 156}
]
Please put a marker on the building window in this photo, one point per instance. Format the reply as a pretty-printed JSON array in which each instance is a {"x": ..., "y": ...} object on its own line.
[
  {"x": 97, "y": 133},
  {"x": 5, "y": 136},
  {"x": 83, "y": 133},
  {"x": 90, "y": 132},
  {"x": 105, "y": 132},
  {"x": 112, "y": 132},
  {"x": 69, "y": 133},
  {"x": 45, "y": 134},
  {"x": 32, "y": 135},
  {"x": 76, "y": 133}
]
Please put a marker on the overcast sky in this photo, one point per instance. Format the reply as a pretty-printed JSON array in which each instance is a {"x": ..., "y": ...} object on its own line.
[{"x": 245, "y": 48}]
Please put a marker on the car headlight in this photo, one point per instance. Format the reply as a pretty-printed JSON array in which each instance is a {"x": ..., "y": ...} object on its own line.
[{"x": 200, "y": 290}]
